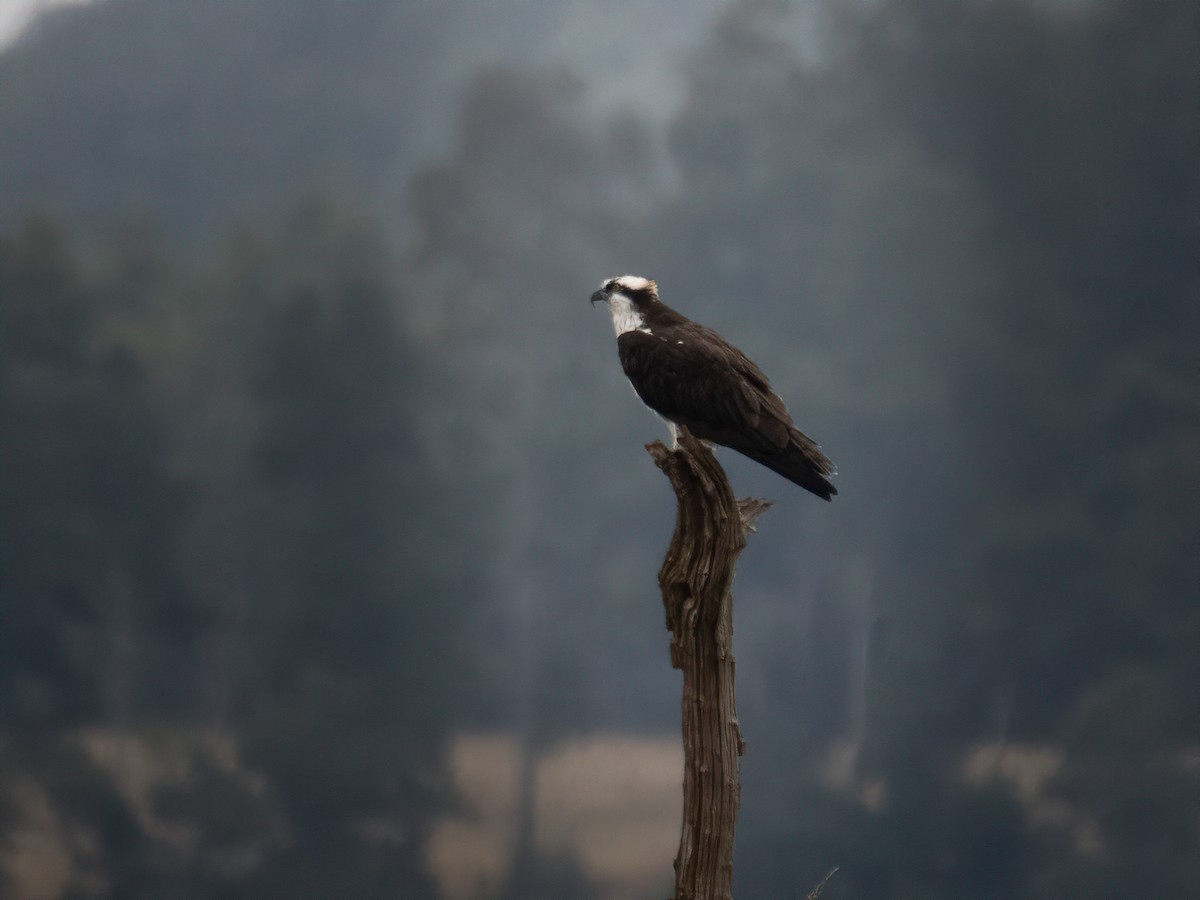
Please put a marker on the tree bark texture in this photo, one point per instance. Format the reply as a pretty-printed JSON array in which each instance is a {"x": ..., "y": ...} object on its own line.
[{"x": 696, "y": 580}]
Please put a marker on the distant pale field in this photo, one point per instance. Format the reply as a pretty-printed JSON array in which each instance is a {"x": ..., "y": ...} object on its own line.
[{"x": 610, "y": 803}]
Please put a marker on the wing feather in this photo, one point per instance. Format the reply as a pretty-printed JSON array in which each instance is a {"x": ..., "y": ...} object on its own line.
[
  {"x": 696, "y": 379},
  {"x": 689, "y": 375},
  {"x": 687, "y": 378}
]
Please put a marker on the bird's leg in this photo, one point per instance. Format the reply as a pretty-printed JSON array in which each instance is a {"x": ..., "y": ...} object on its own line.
[{"x": 672, "y": 428}]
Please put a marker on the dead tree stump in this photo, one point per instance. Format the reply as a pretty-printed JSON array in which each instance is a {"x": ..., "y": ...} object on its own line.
[{"x": 696, "y": 580}]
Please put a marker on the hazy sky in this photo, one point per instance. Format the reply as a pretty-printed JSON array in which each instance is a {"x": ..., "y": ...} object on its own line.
[{"x": 15, "y": 14}]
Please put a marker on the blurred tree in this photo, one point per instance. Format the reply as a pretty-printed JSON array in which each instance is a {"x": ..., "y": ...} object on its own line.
[
  {"x": 100, "y": 632},
  {"x": 88, "y": 507},
  {"x": 355, "y": 629},
  {"x": 322, "y": 594}
]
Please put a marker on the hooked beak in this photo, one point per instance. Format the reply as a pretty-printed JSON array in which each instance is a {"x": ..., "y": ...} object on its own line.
[{"x": 599, "y": 297}]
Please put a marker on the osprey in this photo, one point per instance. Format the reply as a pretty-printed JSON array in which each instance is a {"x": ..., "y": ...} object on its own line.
[{"x": 691, "y": 376}]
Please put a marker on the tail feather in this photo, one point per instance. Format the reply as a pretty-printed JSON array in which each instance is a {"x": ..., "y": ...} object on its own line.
[{"x": 800, "y": 462}]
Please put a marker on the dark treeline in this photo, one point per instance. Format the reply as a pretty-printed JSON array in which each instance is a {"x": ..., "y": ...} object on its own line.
[{"x": 287, "y": 505}]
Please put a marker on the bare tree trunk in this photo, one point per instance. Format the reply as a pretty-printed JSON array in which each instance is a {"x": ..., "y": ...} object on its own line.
[{"x": 696, "y": 577}]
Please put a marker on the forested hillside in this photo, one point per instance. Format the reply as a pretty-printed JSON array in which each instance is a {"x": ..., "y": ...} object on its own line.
[{"x": 315, "y": 458}]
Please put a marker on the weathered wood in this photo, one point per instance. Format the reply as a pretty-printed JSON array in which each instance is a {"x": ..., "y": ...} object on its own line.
[{"x": 696, "y": 580}]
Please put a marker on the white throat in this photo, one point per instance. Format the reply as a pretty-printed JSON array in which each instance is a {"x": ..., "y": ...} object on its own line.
[{"x": 625, "y": 316}]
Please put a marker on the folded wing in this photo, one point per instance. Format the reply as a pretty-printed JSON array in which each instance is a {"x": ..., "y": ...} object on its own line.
[{"x": 698, "y": 380}]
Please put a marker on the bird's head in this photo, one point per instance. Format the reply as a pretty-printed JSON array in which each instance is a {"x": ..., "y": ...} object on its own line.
[
  {"x": 634, "y": 288},
  {"x": 629, "y": 297}
]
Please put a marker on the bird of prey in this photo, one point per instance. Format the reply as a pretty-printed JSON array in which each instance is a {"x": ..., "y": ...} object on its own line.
[{"x": 693, "y": 377}]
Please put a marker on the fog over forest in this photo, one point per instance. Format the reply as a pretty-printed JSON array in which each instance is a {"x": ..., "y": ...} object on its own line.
[{"x": 328, "y": 536}]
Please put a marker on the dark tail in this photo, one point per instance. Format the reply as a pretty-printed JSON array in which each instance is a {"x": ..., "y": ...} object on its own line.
[{"x": 800, "y": 462}]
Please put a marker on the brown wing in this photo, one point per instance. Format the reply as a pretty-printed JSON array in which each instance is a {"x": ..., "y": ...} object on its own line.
[
  {"x": 696, "y": 378},
  {"x": 691, "y": 376}
]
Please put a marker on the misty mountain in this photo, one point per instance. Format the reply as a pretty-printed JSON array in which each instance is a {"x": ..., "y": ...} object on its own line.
[{"x": 194, "y": 114}]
